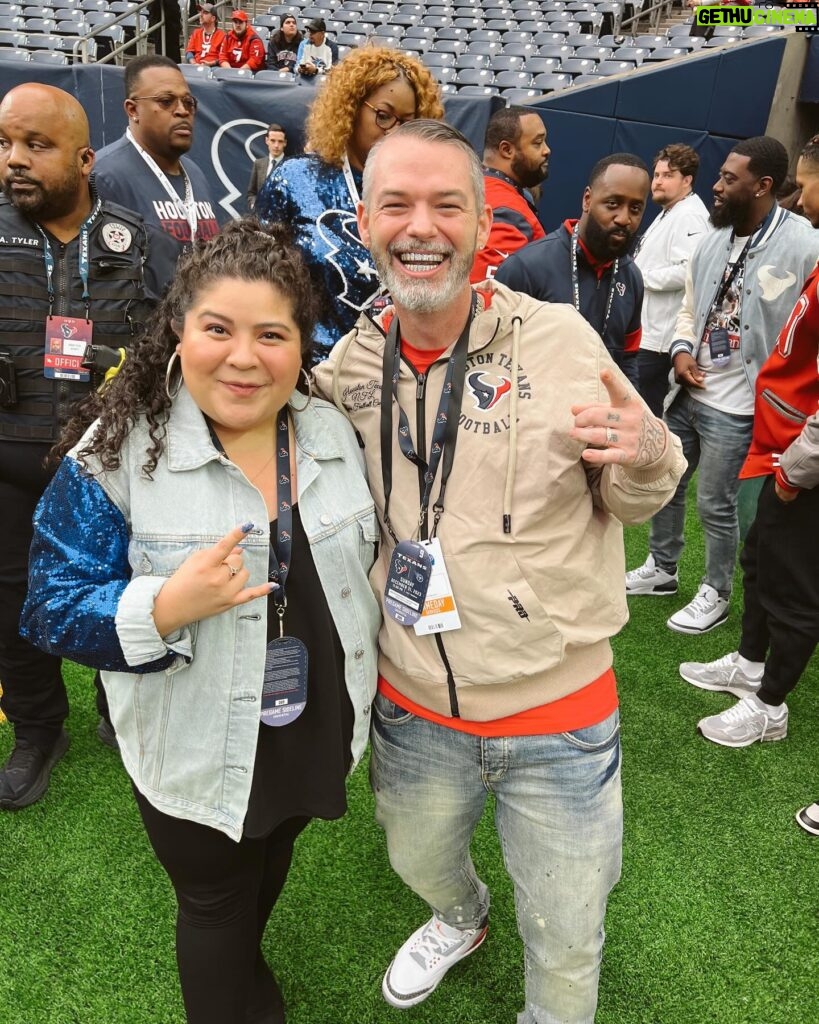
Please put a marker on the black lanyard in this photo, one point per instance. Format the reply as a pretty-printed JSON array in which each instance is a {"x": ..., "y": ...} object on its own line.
[
  {"x": 281, "y": 549},
  {"x": 576, "y": 282},
  {"x": 445, "y": 433}
]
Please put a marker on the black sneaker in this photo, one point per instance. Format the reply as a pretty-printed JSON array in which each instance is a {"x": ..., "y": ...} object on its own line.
[
  {"x": 106, "y": 734},
  {"x": 26, "y": 774}
]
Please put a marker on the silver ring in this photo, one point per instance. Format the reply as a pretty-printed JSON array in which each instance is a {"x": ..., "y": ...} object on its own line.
[
  {"x": 230, "y": 568},
  {"x": 611, "y": 437}
]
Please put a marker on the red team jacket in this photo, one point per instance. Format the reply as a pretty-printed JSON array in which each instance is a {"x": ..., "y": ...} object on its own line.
[
  {"x": 248, "y": 50},
  {"x": 787, "y": 388},
  {"x": 514, "y": 224}
]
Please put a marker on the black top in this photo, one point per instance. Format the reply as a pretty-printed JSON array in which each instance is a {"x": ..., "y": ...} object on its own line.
[{"x": 301, "y": 768}]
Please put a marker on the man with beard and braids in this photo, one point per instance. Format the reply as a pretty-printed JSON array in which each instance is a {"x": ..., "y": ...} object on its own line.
[
  {"x": 146, "y": 169},
  {"x": 509, "y": 418},
  {"x": 74, "y": 273},
  {"x": 586, "y": 263},
  {"x": 515, "y": 159},
  {"x": 741, "y": 284}
]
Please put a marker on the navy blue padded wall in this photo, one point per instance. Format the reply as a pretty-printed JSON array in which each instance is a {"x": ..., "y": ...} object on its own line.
[
  {"x": 809, "y": 89},
  {"x": 743, "y": 91},
  {"x": 676, "y": 94}
]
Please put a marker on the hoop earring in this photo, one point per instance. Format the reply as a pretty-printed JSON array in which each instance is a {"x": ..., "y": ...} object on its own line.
[
  {"x": 309, "y": 381},
  {"x": 172, "y": 394}
]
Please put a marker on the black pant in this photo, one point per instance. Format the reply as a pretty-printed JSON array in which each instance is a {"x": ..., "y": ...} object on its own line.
[
  {"x": 34, "y": 698},
  {"x": 654, "y": 368},
  {"x": 225, "y": 893},
  {"x": 780, "y": 562}
]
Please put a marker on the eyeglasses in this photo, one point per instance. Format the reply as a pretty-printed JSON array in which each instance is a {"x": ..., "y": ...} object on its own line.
[
  {"x": 168, "y": 101},
  {"x": 385, "y": 120}
]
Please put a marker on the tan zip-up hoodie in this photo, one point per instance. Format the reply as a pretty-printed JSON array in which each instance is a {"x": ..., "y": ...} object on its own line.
[{"x": 539, "y": 604}]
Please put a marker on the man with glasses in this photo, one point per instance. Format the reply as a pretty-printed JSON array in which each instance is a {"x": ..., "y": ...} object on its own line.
[
  {"x": 146, "y": 170},
  {"x": 242, "y": 48},
  {"x": 315, "y": 56}
]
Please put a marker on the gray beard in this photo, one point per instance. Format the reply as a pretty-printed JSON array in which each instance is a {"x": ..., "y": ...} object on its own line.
[{"x": 424, "y": 296}]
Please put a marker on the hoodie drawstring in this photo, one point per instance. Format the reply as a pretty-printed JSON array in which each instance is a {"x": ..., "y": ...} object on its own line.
[{"x": 512, "y": 458}]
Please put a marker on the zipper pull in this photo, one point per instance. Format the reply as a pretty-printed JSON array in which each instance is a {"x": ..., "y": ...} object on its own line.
[{"x": 419, "y": 387}]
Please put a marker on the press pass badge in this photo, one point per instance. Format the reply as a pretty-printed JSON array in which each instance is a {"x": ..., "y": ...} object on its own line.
[
  {"x": 719, "y": 345},
  {"x": 66, "y": 340},
  {"x": 284, "y": 695},
  {"x": 407, "y": 582},
  {"x": 440, "y": 613}
]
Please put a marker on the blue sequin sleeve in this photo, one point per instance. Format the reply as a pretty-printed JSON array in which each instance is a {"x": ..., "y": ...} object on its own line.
[{"x": 78, "y": 572}]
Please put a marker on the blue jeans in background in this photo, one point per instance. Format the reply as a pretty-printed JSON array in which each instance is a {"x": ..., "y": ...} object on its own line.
[
  {"x": 559, "y": 816},
  {"x": 718, "y": 443}
]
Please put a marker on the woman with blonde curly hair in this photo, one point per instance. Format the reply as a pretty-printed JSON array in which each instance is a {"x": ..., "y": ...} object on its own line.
[{"x": 365, "y": 97}]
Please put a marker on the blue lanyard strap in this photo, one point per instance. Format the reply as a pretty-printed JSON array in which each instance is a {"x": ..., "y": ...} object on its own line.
[
  {"x": 445, "y": 432},
  {"x": 576, "y": 282},
  {"x": 84, "y": 259}
]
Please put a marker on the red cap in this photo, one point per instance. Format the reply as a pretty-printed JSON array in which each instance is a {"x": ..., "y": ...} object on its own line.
[{"x": 238, "y": 16}]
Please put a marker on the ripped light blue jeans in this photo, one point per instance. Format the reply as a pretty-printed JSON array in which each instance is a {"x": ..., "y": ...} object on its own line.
[{"x": 559, "y": 816}]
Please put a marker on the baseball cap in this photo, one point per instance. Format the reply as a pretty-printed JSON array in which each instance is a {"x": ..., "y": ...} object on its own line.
[
  {"x": 208, "y": 8},
  {"x": 317, "y": 25},
  {"x": 239, "y": 16}
]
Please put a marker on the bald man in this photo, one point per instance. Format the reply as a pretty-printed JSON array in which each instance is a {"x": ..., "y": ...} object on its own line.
[{"x": 72, "y": 295}]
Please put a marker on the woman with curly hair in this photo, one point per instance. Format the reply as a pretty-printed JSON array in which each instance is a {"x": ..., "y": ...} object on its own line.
[
  {"x": 283, "y": 45},
  {"x": 365, "y": 97},
  {"x": 238, "y": 661}
]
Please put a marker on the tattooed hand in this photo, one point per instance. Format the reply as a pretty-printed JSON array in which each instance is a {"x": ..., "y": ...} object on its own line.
[{"x": 624, "y": 432}]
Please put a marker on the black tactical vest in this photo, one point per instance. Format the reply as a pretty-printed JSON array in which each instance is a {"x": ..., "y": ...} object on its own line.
[{"x": 118, "y": 309}]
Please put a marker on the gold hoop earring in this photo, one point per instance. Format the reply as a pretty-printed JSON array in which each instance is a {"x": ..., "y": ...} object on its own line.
[
  {"x": 168, "y": 371},
  {"x": 309, "y": 381}
]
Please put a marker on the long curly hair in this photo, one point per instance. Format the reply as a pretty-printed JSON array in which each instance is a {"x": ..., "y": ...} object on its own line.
[
  {"x": 245, "y": 250},
  {"x": 350, "y": 82}
]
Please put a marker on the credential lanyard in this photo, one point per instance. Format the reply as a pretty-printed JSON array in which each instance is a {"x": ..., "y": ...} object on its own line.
[
  {"x": 576, "y": 282},
  {"x": 84, "y": 261},
  {"x": 281, "y": 551},
  {"x": 189, "y": 203},
  {"x": 352, "y": 188},
  {"x": 444, "y": 435}
]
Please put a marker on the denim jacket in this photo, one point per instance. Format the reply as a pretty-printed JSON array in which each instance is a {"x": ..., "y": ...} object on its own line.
[{"x": 186, "y": 707}]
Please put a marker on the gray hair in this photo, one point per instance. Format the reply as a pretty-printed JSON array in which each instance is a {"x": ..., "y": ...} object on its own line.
[{"x": 428, "y": 130}]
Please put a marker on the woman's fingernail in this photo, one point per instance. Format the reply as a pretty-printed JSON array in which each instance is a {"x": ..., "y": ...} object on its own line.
[{"x": 246, "y": 527}]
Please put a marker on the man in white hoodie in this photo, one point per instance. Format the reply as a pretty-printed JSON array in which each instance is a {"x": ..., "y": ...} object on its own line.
[
  {"x": 502, "y": 465},
  {"x": 663, "y": 255}
]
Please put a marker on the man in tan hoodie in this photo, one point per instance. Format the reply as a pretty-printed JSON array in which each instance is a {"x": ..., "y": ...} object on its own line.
[{"x": 504, "y": 450}]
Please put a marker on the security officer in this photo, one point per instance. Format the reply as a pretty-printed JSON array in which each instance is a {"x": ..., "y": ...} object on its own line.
[{"x": 72, "y": 294}]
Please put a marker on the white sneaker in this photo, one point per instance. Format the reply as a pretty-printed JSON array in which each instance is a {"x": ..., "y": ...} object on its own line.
[
  {"x": 723, "y": 674},
  {"x": 808, "y": 819},
  {"x": 424, "y": 959},
  {"x": 746, "y": 722},
  {"x": 707, "y": 611},
  {"x": 650, "y": 580}
]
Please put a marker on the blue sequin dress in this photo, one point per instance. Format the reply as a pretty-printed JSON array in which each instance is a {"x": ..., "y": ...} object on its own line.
[{"x": 313, "y": 199}]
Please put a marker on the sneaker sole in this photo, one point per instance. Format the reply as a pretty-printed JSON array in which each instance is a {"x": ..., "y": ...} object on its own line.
[
  {"x": 735, "y": 691},
  {"x": 806, "y": 823},
  {"x": 414, "y": 998},
  {"x": 690, "y": 631},
  {"x": 651, "y": 593},
  {"x": 736, "y": 744},
  {"x": 43, "y": 779}
]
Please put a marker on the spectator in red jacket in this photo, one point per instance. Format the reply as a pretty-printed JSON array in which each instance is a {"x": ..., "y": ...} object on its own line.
[
  {"x": 206, "y": 41},
  {"x": 242, "y": 48},
  {"x": 516, "y": 159}
]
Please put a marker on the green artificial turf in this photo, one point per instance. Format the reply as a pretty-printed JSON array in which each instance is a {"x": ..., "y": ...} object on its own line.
[{"x": 715, "y": 919}]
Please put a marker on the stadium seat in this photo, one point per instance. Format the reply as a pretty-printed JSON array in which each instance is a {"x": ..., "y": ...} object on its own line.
[
  {"x": 199, "y": 71},
  {"x": 437, "y": 59},
  {"x": 14, "y": 40},
  {"x": 513, "y": 96},
  {"x": 69, "y": 14},
  {"x": 468, "y": 23},
  {"x": 489, "y": 48},
  {"x": 520, "y": 49},
  {"x": 759, "y": 30},
  {"x": 718, "y": 41},
  {"x": 615, "y": 41},
  {"x": 280, "y": 77},
  {"x": 42, "y": 26},
  {"x": 388, "y": 42},
  {"x": 667, "y": 53},
  {"x": 636, "y": 53},
  {"x": 538, "y": 65},
  {"x": 516, "y": 36},
  {"x": 44, "y": 42},
  {"x": 229, "y": 74},
  {"x": 486, "y": 35},
  {"x": 495, "y": 26},
  {"x": 452, "y": 32},
  {"x": 436, "y": 20},
  {"x": 478, "y": 90},
  {"x": 351, "y": 38},
  {"x": 652, "y": 42},
  {"x": 581, "y": 39},
  {"x": 10, "y": 24},
  {"x": 475, "y": 76},
  {"x": 547, "y": 38},
  {"x": 615, "y": 67},
  {"x": 49, "y": 57},
  {"x": 508, "y": 62},
  {"x": 553, "y": 50},
  {"x": 513, "y": 80},
  {"x": 551, "y": 82},
  {"x": 578, "y": 66},
  {"x": 453, "y": 46},
  {"x": 444, "y": 75},
  {"x": 15, "y": 55},
  {"x": 597, "y": 53},
  {"x": 525, "y": 25},
  {"x": 588, "y": 79},
  {"x": 471, "y": 61},
  {"x": 420, "y": 32}
]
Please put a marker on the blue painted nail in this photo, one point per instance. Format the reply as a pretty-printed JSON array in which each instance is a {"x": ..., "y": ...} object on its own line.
[{"x": 246, "y": 527}]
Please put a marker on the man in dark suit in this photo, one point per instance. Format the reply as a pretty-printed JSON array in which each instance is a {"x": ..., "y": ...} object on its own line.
[{"x": 276, "y": 141}]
